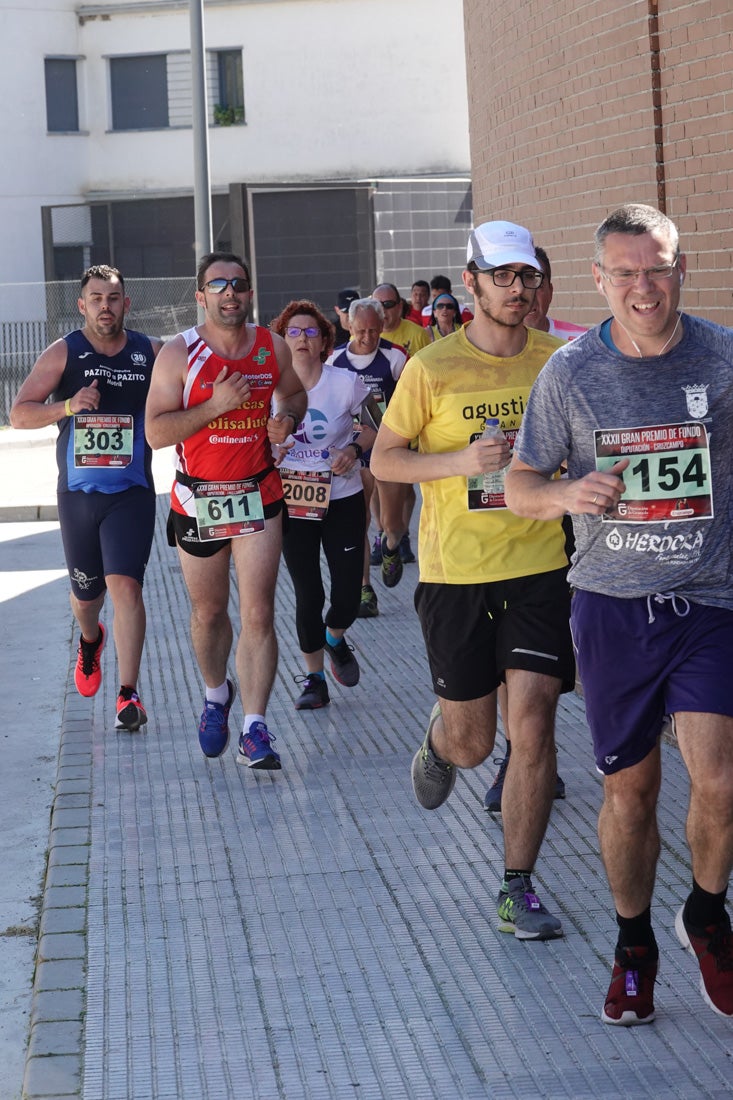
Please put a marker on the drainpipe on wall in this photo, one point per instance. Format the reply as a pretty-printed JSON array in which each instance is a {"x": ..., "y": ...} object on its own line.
[{"x": 656, "y": 84}]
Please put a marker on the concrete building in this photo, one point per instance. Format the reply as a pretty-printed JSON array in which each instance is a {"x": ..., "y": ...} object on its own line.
[
  {"x": 599, "y": 104},
  {"x": 337, "y": 131}
]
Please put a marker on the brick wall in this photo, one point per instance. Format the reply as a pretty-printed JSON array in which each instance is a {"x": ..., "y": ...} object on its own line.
[{"x": 575, "y": 108}]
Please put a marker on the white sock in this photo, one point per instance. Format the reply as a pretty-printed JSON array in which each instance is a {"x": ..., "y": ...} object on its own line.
[
  {"x": 250, "y": 718},
  {"x": 219, "y": 694}
]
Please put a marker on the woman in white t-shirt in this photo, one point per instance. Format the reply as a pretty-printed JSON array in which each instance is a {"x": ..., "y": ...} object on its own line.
[{"x": 321, "y": 474}]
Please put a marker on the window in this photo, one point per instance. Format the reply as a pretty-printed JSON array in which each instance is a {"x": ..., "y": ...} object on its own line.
[
  {"x": 139, "y": 87},
  {"x": 229, "y": 103},
  {"x": 62, "y": 100}
]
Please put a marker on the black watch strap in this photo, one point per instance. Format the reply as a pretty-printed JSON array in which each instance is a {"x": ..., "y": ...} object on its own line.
[{"x": 358, "y": 448}]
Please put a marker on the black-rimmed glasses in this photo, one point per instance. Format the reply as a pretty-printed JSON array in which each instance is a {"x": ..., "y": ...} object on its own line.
[{"x": 504, "y": 277}]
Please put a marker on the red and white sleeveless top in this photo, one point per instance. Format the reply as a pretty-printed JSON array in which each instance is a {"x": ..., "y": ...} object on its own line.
[{"x": 233, "y": 446}]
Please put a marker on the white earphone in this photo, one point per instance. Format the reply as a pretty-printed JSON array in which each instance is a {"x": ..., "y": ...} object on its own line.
[{"x": 682, "y": 279}]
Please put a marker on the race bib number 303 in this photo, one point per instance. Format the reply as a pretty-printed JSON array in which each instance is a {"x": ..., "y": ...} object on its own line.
[
  {"x": 226, "y": 510},
  {"x": 668, "y": 478},
  {"x": 101, "y": 440}
]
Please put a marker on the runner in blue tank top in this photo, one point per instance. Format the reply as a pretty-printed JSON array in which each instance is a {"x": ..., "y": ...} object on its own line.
[{"x": 98, "y": 377}]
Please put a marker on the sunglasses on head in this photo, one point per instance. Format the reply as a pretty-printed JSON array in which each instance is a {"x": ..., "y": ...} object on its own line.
[
  {"x": 294, "y": 332},
  {"x": 218, "y": 286}
]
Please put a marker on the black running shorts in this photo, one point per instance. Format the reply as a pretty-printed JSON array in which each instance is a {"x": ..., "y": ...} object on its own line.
[{"x": 474, "y": 632}]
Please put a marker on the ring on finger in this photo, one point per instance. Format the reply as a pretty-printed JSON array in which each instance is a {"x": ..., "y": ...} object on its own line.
[{"x": 595, "y": 499}]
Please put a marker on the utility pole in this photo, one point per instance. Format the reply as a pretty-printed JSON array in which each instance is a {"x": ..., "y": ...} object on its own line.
[{"x": 201, "y": 180}]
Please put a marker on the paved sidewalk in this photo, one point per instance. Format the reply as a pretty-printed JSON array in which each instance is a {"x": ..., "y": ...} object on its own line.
[{"x": 211, "y": 933}]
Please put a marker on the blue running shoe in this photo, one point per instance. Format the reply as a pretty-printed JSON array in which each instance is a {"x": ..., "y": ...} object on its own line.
[
  {"x": 214, "y": 724},
  {"x": 255, "y": 748}
]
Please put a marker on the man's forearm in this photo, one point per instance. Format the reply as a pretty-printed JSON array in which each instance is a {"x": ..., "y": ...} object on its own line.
[
  {"x": 36, "y": 414},
  {"x": 167, "y": 428},
  {"x": 530, "y": 494},
  {"x": 400, "y": 464}
]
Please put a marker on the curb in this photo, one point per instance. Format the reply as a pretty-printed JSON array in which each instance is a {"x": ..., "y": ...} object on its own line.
[
  {"x": 28, "y": 513},
  {"x": 54, "y": 1060}
]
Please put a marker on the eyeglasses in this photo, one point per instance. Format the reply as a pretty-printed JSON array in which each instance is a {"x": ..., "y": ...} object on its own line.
[
  {"x": 390, "y": 303},
  {"x": 627, "y": 278},
  {"x": 218, "y": 286},
  {"x": 504, "y": 276},
  {"x": 294, "y": 332},
  {"x": 445, "y": 305}
]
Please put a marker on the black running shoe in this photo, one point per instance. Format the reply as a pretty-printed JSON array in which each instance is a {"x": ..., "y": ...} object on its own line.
[
  {"x": 314, "y": 694},
  {"x": 344, "y": 665},
  {"x": 368, "y": 608},
  {"x": 391, "y": 565}
]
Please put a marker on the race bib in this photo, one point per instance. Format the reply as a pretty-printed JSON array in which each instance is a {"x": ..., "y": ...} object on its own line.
[
  {"x": 307, "y": 492},
  {"x": 228, "y": 509},
  {"x": 102, "y": 440},
  {"x": 486, "y": 492},
  {"x": 669, "y": 477}
]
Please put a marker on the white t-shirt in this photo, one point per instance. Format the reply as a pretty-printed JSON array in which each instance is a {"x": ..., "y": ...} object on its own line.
[{"x": 333, "y": 403}]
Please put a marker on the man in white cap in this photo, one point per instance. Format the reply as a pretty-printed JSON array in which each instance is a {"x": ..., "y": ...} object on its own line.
[{"x": 493, "y": 599}]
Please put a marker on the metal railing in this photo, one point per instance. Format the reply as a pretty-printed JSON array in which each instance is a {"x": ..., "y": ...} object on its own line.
[{"x": 33, "y": 315}]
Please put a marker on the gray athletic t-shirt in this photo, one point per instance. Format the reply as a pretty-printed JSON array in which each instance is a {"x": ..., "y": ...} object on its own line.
[{"x": 672, "y": 415}]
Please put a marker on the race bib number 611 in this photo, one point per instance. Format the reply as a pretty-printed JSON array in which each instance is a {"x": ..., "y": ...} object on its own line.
[{"x": 226, "y": 510}]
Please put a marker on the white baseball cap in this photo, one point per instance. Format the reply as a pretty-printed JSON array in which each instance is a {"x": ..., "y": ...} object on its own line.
[{"x": 494, "y": 244}]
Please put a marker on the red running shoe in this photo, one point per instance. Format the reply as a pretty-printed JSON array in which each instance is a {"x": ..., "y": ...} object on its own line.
[
  {"x": 88, "y": 671},
  {"x": 713, "y": 948},
  {"x": 630, "y": 997},
  {"x": 130, "y": 711}
]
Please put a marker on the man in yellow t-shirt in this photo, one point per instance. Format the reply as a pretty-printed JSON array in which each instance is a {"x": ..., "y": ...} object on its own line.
[
  {"x": 397, "y": 328},
  {"x": 493, "y": 599}
]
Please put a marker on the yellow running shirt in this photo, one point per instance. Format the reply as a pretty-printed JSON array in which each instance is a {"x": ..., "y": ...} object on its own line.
[{"x": 443, "y": 396}]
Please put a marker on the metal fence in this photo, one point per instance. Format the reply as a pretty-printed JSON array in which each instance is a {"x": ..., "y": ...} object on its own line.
[{"x": 33, "y": 315}]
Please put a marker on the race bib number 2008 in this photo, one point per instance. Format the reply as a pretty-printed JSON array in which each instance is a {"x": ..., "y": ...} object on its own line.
[{"x": 668, "y": 478}]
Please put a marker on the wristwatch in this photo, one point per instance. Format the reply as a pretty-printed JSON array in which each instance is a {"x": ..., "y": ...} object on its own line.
[{"x": 358, "y": 448}]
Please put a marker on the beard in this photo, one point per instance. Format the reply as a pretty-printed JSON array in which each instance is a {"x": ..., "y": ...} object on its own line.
[{"x": 492, "y": 311}]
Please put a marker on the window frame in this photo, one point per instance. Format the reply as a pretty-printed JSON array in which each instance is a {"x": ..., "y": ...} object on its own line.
[
  {"x": 117, "y": 108},
  {"x": 224, "y": 112},
  {"x": 72, "y": 60}
]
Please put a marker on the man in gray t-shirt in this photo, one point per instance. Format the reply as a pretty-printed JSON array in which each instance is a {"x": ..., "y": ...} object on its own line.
[{"x": 641, "y": 410}]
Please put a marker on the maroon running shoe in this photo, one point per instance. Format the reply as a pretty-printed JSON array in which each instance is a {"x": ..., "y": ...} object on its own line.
[
  {"x": 630, "y": 997},
  {"x": 713, "y": 947}
]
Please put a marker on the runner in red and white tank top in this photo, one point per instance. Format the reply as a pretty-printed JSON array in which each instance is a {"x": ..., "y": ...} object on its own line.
[
  {"x": 232, "y": 446},
  {"x": 221, "y": 393}
]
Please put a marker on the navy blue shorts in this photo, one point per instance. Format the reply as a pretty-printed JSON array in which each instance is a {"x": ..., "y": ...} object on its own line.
[
  {"x": 635, "y": 671},
  {"x": 106, "y": 533},
  {"x": 474, "y": 632}
]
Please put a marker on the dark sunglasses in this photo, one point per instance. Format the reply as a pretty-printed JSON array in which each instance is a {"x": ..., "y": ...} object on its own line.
[
  {"x": 444, "y": 305},
  {"x": 218, "y": 286},
  {"x": 295, "y": 332},
  {"x": 390, "y": 303}
]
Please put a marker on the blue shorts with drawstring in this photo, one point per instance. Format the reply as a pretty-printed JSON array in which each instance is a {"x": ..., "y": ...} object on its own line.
[{"x": 643, "y": 658}]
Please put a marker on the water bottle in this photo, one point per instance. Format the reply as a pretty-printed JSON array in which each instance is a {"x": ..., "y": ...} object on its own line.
[{"x": 493, "y": 482}]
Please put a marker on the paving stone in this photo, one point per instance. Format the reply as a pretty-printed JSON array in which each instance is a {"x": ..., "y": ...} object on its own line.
[{"x": 313, "y": 933}]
